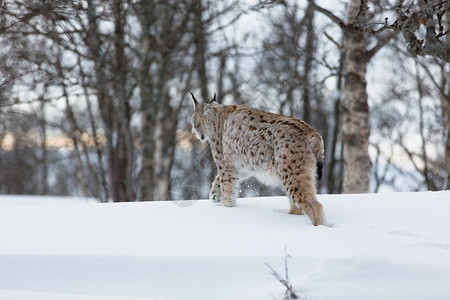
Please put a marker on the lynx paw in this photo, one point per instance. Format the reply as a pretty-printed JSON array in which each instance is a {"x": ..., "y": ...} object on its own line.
[
  {"x": 314, "y": 212},
  {"x": 214, "y": 196},
  {"x": 296, "y": 211},
  {"x": 229, "y": 203}
]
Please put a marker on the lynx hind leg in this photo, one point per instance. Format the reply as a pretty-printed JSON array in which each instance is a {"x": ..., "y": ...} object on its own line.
[
  {"x": 304, "y": 197},
  {"x": 314, "y": 210},
  {"x": 215, "y": 193},
  {"x": 297, "y": 176},
  {"x": 303, "y": 194},
  {"x": 294, "y": 209}
]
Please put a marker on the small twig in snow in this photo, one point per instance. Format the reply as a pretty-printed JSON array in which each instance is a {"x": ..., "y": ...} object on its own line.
[{"x": 290, "y": 293}]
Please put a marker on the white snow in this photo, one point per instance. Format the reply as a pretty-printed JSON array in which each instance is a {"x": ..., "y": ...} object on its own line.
[{"x": 377, "y": 246}]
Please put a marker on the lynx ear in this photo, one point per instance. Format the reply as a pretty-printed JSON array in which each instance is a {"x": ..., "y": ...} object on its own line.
[
  {"x": 213, "y": 99},
  {"x": 194, "y": 101}
]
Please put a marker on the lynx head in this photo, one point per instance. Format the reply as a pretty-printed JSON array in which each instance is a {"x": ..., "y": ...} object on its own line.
[{"x": 199, "y": 122}]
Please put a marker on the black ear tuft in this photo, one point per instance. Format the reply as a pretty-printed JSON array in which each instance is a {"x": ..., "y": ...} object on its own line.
[
  {"x": 213, "y": 99},
  {"x": 194, "y": 101}
]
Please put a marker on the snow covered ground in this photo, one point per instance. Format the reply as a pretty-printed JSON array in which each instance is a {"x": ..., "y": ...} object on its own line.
[{"x": 377, "y": 246}]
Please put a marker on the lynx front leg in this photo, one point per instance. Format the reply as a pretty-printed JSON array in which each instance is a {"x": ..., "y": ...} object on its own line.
[
  {"x": 215, "y": 193},
  {"x": 228, "y": 184}
]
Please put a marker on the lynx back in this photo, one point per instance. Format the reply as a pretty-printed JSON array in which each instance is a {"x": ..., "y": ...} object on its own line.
[{"x": 273, "y": 148}]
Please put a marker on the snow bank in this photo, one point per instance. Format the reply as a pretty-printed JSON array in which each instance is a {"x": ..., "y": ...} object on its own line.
[{"x": 377, "y": 246}]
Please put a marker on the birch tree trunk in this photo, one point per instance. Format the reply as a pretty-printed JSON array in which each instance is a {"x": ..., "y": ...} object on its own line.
[
  {"x": 42, "y": 121},
  {"x": 356, "y": 131},
  {"x": 163, "y": 26},
  {"x": 149, "y": 107},
  {"x": 125, "y": 157},
  {"x": 446, "y": 111},
  {"x": 102, "y": 191},
  {"x": 165, "y": 149},
  {"x": 309, "y": 57},
  {"x": 446, "y": 107},
  {"x": 104, "y": 101},
  {"x": 334, "y": 156},
  {"x": 153, "y": 176}
]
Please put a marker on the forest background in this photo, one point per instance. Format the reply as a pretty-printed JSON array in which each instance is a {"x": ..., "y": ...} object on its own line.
[{"x": 94, "y": 95}]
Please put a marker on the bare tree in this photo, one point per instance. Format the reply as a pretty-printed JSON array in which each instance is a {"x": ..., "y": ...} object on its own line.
[
  {"x": 429, "y": 14},
  {"x": 291, "y": 69},
  {"x": 334, "y": 150},
  {"x": 88, "y": 71},
  {"x": 409, "y": 125},
  {"x": 125, "y": 148},
  {"x": 164, "y": 25},
  {"x": 356, "y": 129},
  {"x": 445, "y": 103}
]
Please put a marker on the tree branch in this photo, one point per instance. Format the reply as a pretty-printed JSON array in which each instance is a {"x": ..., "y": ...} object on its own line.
[
  {"x": 337, "y": 44},
  {"x": 327, "y": 13},
  {"x": 382, "y": 41}
]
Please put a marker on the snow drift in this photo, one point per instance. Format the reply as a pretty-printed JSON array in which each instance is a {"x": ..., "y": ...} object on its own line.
[{"x": 377, "y": 246}]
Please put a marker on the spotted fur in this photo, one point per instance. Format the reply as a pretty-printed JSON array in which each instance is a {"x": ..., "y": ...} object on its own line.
[{"x": 273, "y": 148}]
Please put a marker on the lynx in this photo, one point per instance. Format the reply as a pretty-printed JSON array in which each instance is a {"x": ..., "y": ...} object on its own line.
[{"x": 273, "y": 148}]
